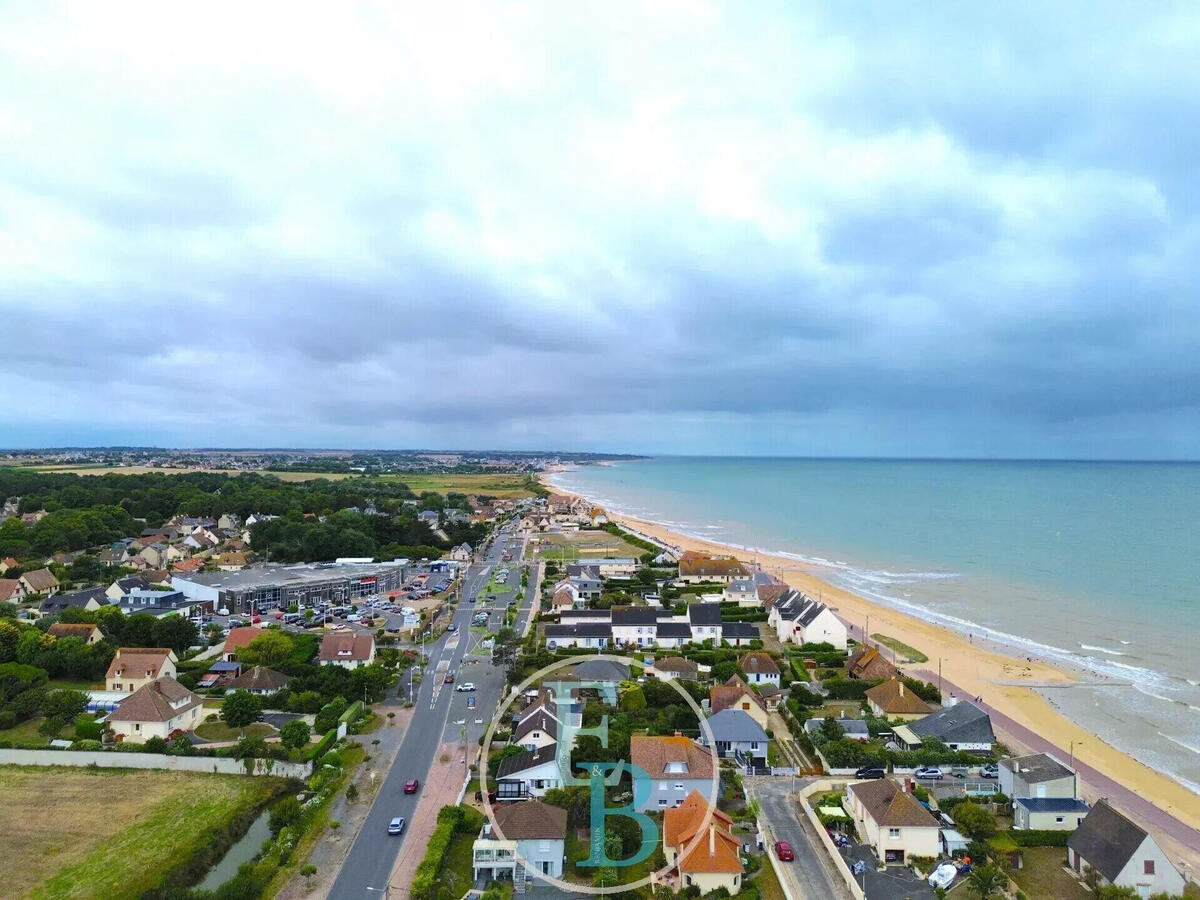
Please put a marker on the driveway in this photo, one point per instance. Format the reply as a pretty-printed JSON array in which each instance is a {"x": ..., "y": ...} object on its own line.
[
  {"x": 893, "y": 883},
  {"x": 811, "y": 874}
]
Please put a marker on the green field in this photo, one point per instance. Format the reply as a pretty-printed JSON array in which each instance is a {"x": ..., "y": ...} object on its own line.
[
  {"x": 110, "y": 833},
  {"x": 582, "y": 545},
  {"x": 497, "y": 485},
  {"x": 904, "y": 653},
  {"x": 219, "y": 731},
  {"x": 27, "y": 734}
]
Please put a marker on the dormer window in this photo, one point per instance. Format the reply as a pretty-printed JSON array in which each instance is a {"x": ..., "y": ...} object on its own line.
[{"x": 677, "y": 768}]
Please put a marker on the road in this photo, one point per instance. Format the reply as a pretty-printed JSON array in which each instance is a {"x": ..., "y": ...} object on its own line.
[
  {"x": 440, "y": 715},
  {"x": 809, "y": 875}
]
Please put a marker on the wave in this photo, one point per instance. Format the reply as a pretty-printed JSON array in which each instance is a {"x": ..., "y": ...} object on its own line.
[
  {"x": 1184, "y": 744},
  {"x": 1103, "y": 650}
]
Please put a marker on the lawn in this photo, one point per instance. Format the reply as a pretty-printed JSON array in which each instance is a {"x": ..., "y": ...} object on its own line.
[
  {"x": 581, "y": 545},
  {"x": 219, "y": 731},
  {"x": 1043, "y": 877},
  {"x": 909, "y": 654},
  {"x": 493, "y": 485},
  {"x": 457, "y": 870},
  {"x": 767, "y": 883},
  {"x": 27, "y": 733},
  {"x": 110, "y": 833}
]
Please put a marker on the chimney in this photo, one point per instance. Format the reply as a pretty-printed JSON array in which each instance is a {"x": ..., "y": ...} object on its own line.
[
  {"x": 902, "y": 689},
  {"x": 712, "y": 839}
]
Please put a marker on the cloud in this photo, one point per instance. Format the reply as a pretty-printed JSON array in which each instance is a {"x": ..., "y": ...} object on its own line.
[{"x": 689, "y": 228}]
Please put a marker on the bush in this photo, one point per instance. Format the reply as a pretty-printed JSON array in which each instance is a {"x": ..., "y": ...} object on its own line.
[
  {"x": 87, "y": 745},
  {"x": 974, "y": 821},
  {"x": 87, "y": 728},
  {"x": 284, "y": 813},
  {"x": 156, "y": 745},
  {"x": 424, "y": 884},
  {"x": 8, "y": 719}
]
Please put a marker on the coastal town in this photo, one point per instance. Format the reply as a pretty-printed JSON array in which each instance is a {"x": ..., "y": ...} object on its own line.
[{"x": 402, "y": 689}]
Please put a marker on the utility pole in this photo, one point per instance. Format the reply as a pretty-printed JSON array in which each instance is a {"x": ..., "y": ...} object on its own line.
[{"x": 939, "y": 674}]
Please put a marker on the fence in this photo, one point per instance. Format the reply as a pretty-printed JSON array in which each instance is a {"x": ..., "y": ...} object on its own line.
[{"x": 220, "y": 765}]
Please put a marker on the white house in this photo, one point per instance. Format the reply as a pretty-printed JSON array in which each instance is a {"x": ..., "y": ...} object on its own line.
[
  {"x": 132, "y": 668},
  {"x": 737, "y": 735},
  {"x": 1037, "y": 775},
  {"x": 347, "y": 649},
  {"x": 528, "y": 774},
  {"x": 895, "y": 825},
  {"x": 634, "y": 626},
  {"x": 158, "y": 709},
  {"x": 1121, "y": 853},
  {"x": 536, "y": 731},
  {"x": 800, "y": 619},
  {"x": 530, "y": 841},
  {"x": 760, "y": 668}
]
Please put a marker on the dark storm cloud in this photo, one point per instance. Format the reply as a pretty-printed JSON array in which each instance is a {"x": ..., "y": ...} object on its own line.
[{"x": 712, "y": 229}]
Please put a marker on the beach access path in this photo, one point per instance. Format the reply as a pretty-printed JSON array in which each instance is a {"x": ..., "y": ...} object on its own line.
[{"x": 1103, "y": 786}]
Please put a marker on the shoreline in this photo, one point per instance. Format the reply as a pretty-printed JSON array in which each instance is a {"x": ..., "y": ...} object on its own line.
[{"x": 986, "y": 668}]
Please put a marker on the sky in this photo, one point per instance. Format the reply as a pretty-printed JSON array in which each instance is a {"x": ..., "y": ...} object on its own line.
[{"x": 784, "y": 229}]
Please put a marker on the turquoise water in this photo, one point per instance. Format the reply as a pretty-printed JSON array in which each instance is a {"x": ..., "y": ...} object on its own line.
[{"x": 1096, "y": 565}]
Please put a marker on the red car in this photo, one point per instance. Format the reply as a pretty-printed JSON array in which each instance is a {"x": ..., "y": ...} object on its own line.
[
  {"x": 410, "y": 787},
  {"x": 784, "y": 851}
]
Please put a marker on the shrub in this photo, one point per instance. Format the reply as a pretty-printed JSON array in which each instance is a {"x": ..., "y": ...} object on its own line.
[
  {"x": 284, "y": 813},
  {"x": 87, "y": 728},
  {"x": 156, "y": 745},
  {"x": 974, "y": 821}
]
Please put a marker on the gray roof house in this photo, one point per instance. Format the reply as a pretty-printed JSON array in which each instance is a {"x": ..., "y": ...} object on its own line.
[
  {"x": 602, "y": 670},
  {"x": 963, "y": 726},
  {"x": 90, "y": 599},
  {"x": 737, "y": 735},
  {"x": 1121, "y": 853},
  {"x": 855, "y": 729},
  {"x": 1036, "y": 775}
]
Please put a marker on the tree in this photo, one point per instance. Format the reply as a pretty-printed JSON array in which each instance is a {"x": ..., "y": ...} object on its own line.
[
  {"x": 271, "y": 648},
  {"x": 284, "y": 813},
  {"x": 241, "y": 708},
  {"x": 250, "y": 748},
  {"x": 633, "y": 700},
  {"x": 974, "y": 821},
  {"x": 984, "y": 881},
  {"x": 294, "y": 734},
  {"x": 64, "y": 704},
  {"x": 831, "y": 730}
]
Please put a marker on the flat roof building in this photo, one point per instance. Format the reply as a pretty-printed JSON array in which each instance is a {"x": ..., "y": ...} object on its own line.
[{"x": 270, "y": 586}]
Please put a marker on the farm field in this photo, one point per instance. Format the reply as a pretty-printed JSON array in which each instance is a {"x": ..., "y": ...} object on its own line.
[
  {"x": 149, "y": 470},
  {"x": 110, "y": 833},
  {"x": 581, "y": 545}
]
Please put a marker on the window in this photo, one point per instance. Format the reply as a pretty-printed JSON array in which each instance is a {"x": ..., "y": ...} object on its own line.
[
  {"x": 662, "y": 786},
  {"x": 1058, "y": 818},
  {"x": 662, "y": 802},
  {"x": 1148, "y": 867},
  {"x": 137, "y": 726},
  {"x": 679, "y": 785},
  {"x": 894, "y": 833}
]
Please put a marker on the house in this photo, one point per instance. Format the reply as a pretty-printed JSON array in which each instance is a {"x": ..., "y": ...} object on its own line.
[
  {"x": 231, "y": 562},
  {"x": 705, "y": 853},
  {"x": 798, "y": 618},
  {"x": 854, "y": 729},
  {"x": 91, "y": 600},
  {"x": 462, "y": 553},
  {"x": 674, "y": 667},
  {"x": 1036, "y": 775},
  {"x": 597, "y": 635},
  {"x": 39, "y": 581},
  {"x": 742, "y": 591},
  {"x": 895, "y": 825},
  {"x": 567, "y": 596},
  {"x": 114, "y": 555},
  {"x": 769, "y": 593},
  {"x": 634, "y": 626},
  {"x": 676, "y": 766},
  {"x": 155, "y": 555},
  {"x": 603, "y": 670},
  {"x": 8, "y": 563},
  {"x": 135, "y": 667},
  {"x": 759, "y": 667},
  {"x": 740, "y": 634},
  {"x": 695, "y": 569},
  {"x": 89, "y": 634},
  {"x": 528, "y": 774},
  {"x": 11, "y": 590},
  {"x": 896, "y": 700},
  {"x": 536, "y": 731},
  {"x": 220, "y": 674},
  {"x": 123, "y": 586},
  {"x": 1049, "y": 813},
  {"x": 188, "y": 566},
  {"x": 736, "y": 694},
  {"x": 612, "y": 566},
  {"x": 1121, "y": 853},
  {"x": 347, "y": 649},
  {"x": 737, "y": 735},
  {"x": 237, "y": 639},
  {"x": 598, "y": 518},
  {"x": 162, "y": 708},
  {"x": 961, "y": 726},
  {"x": 429, "y": 517},
  {"x": 705, "y": 621},
  {"x": 527, "y": 838},
  {"x": 586, "y": 579},
  {"x": 867, "y": 664},
  {"x": 259, "y": 680},
  {"x": 228, "y": 521}
]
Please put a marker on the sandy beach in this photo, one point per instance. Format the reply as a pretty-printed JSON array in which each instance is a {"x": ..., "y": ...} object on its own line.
[{"x": 987, "y": 671}]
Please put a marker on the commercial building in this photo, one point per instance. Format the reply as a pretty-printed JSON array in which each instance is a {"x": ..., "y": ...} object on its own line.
[{"x": 267, "y": 587}]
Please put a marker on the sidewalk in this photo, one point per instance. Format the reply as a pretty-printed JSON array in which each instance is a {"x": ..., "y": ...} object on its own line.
[{"x": 441, "y": 789}]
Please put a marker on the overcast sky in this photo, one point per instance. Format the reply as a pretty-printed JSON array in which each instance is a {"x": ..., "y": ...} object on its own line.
[{"x": 672, "y": 227}]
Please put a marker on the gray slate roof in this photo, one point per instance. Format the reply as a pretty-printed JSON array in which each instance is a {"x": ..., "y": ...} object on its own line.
[
  {"x": 527, "y": 760},
  {"x": 704, "y": 613},
  {"x": 602, "y": 670},
  {"x": 735, "y": 725},
  {"x": 1052, "y": 804},
  {"x": 1106, "y": 840},
  {"x": 1036, "y": 768},
  {"x": 962, "y": 723}
]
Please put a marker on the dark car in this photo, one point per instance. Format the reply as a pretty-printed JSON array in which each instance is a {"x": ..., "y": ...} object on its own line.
[
  {"x": 870, "y": 772},
  {"x": 784, "y": 851},
  {"x": 449, "y": 678},
  {"x": 410, "y": 786}
]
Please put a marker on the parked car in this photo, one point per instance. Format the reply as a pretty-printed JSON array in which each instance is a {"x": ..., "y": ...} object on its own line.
[
  {"x": 991, "y": 770},
  {"x": 931, "y": 773},
  {"x": 870, "y": 772},
  {"x": 784, "y": 851},
  {"x": 410, "y": 786},
  {"x": 396, "y": 826},
  {"x": 943, "y": 875},
  {"x": 466, "y": 687}
]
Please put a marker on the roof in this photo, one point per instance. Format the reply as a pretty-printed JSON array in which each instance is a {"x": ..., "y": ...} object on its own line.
[
  {"x": 715, "y": 851},
  {"x": 160, "y": 700},
  {"x": 891, "y": 807},
  {"x": 634, "y": 615},
  {"x": 531, "y": 820},
  {"x": 195, "y": 564},
  {"x": 580, "y": 629},
  {"x": 346, "y": 645},
  {"x": 706, "y": 567},
  {"x": 653, "y": 754},
  {"x": 868, "y": 664},
  {"x": 8, "y": 587},
  {"x": 602, "y": 670},
  {"x": 681, "y": 823},
  {"x": 896, "y": 699},
  {"x": 241, "y": 636},
  {"x": 674, "y": 630},
  {"x": 735, "y": 725},
  {"x": 1052, "y": 804},
  {"x": 769, "y": 593},
  {"x": 723, "y": 696},
  {"x": 259, "y": 678},
  {"x": 758, "y": 662},
  {"x": 704, "y": 613},
  {"x": 539, "y": 721},
  {"x": 678, "y": 665},
  {"x": 1036, "y": 767},
  {"x": 76, "y": 599},
  {"x": 962, "y": 723},
  {"x": 1106, "y": 840},
  {"x": 72, "y": 629},
  {"x": 530, "y": 759},
  {"x": 40, "y": 580},
  {"x": 137, "y": 661},
  {"x": 741, "y": 630},
  {"x": 849, "y": 726}
]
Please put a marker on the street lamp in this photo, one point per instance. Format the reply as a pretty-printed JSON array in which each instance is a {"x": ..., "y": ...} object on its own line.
[{"x": 385, "y": 890}]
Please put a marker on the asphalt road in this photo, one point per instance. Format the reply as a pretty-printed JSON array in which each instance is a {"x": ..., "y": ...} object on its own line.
[
  {"x": 809, "y": 874},
  {"x": 441, "y": 715}
]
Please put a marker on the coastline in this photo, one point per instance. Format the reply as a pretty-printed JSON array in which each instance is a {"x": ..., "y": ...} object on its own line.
[{"x": 1007, "y": 683}]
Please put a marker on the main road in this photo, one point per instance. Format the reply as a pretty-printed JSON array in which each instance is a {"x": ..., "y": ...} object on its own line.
[{"x": 440, "y": 714}]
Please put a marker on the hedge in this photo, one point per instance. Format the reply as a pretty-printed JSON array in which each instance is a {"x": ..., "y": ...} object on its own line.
[
  {"x": 1038, "y": 838},
  {"x": 353, "y": 711},
  {"x": 322, "y": 745},
  {"x": 450, "y": 820}
]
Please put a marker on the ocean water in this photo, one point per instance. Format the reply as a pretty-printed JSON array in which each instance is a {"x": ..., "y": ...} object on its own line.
[{"x": 1094, "y": 565}]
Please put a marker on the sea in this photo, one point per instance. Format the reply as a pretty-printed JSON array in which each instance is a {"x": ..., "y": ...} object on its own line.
[{"x": 1091, "y": 565}]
